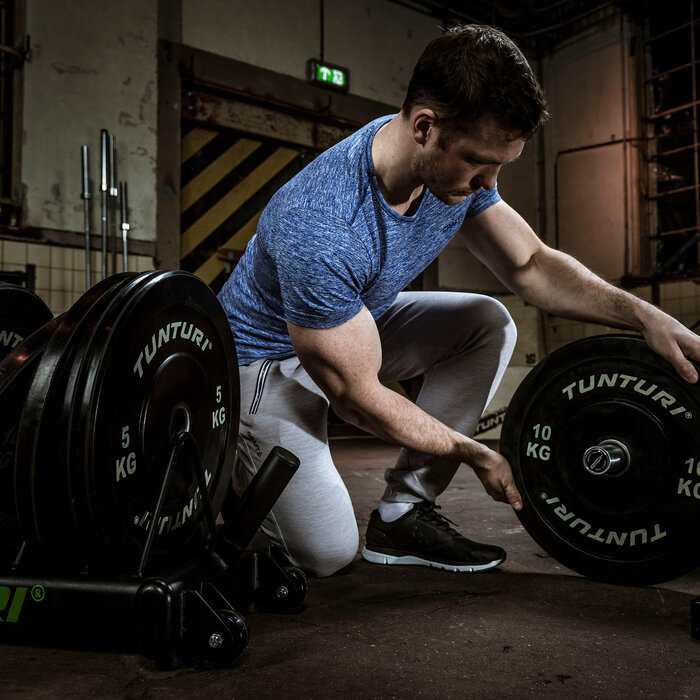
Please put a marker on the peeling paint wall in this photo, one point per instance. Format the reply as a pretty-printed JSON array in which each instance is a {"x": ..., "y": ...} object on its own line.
[
  {"x": 93, "y": 66},
  {"x": 590, "y": 202},
  {"x": 379, "y": 41},
  {"x": 586, "y": 88},
  {"x": 592, "y": 181}
]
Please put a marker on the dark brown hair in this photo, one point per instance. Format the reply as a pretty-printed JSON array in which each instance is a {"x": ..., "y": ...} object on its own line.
[{"x": 473, "y": 70}]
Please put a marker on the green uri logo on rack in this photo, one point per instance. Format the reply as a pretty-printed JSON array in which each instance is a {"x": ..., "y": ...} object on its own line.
[{"x": 12, "y": 600}]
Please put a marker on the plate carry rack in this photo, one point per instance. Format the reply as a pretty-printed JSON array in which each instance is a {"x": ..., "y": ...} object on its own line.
[{"x": 119, "y": 420}]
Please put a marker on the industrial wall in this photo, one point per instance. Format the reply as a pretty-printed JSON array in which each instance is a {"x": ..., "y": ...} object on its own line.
[
  {"x": 591, "y": 175},
  {"x": 92, "y": 66},
  {"x": 594, "y": 182},
  {"x": 377, "y": 40},
  {"x": 95, "y": 64}
]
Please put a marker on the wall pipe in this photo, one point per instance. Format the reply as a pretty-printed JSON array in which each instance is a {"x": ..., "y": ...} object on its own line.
[
  {"x": 625, "y": 132},
  {"x": 567, "y": 151}
]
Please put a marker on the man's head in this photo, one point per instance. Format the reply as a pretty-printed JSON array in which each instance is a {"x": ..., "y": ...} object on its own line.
[
  {"x": 465, "y": 163},
  {"x": 475, "y": 71}
]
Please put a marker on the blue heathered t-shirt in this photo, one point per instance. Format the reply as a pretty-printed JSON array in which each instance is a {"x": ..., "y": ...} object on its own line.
[{"x": 327, "y": 244}]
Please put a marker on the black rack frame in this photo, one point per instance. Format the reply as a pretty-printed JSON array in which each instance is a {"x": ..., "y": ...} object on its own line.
[{"x": 188, "y": 615}]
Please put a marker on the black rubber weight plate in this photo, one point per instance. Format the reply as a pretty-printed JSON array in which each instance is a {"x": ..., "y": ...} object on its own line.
[
  {"x": 162, "y": 360},
  {"x": 40, "y": 487},
  {"x": 70, "y": 401},
  {"x": 16, "y": 372},
  {"x": 641, "y": 526},
  {"x": 22, "y": 314}
]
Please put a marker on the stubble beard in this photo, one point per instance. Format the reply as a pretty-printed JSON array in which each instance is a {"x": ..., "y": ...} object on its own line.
[{"x": 428, "y": 174}]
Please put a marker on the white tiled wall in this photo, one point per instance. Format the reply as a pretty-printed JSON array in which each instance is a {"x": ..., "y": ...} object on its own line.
[{"x": 60, "y": 271}]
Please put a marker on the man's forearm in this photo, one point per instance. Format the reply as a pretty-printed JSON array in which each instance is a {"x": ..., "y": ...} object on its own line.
[
  {"x": 559, "y": 284},
  {"x": 393, "y": 418}
]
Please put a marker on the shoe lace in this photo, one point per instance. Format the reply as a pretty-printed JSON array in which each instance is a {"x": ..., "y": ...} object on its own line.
[{"x": 428, "y": 511}]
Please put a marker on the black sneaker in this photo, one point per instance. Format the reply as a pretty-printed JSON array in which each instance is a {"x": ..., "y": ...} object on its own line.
[{"x": 424, "y": 537}]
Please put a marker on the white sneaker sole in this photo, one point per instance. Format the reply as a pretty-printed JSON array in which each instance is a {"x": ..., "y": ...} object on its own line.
[{"x": 408, "y": 560}]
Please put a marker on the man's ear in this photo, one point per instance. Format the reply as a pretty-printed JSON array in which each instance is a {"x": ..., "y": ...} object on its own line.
[{"x": 422, "y": 122}]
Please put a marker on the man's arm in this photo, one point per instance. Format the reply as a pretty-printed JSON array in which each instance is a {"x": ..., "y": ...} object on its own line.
[
  {"x": 345, "y": 361},
  {"x": 559, "y": 284}
]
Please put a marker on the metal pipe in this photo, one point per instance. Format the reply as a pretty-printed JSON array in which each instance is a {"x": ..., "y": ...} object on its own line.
[
  {"x": 103, "y": 195},
  {"x": 579, "y": 149},
  {"x": 322, "y": 37},
  {"x": 125, "y": 225},
  {"x": 86, "y": 196},
  {"x": 112, "y": 203},
  {"x": 625, "y": 146},
  {"x": 693, "y": 82}
]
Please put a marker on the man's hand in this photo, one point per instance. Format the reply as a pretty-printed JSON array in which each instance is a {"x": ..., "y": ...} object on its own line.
[
  {"x": 673, "y": 341},
  {"x": 496, "y": 476}
]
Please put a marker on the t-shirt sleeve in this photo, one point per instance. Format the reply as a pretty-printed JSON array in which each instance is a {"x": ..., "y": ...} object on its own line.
[
  {"x": 482, "y": 200},
  {"x": 322, "y": 267}
]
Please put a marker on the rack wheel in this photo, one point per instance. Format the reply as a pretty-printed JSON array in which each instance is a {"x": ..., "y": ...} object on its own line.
[
  {"x": 222, "y": 653},
  {"x": 289, "y": 595}
]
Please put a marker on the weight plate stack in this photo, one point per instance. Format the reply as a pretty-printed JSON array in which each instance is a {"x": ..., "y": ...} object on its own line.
[
  {"x": 41, "y": 484},
  {"x": 23, "y": 334},
  {"x": 21, "y": 313},
  {"x": 603, "y": 440},
  {"x": 160, "y": 360},
  {"x": 79, "y": 351}
]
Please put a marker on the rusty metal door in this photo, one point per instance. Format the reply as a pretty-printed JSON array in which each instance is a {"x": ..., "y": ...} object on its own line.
[
  {"x": 235, "y": 156},
  {"x": 227, "y": 179}
]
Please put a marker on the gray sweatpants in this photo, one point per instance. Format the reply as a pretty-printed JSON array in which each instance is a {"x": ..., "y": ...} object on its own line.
[{"x": 460, "y": 342}]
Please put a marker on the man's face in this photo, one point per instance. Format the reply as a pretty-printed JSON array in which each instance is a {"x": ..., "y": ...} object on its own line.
[{"x": 469, "y": 162}]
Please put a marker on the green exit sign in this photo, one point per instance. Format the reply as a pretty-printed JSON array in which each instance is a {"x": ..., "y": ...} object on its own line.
[{"x": 328, "y": 75}]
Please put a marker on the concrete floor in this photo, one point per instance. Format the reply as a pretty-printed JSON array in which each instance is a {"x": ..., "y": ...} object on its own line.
[{"x": 530, "y": 629}]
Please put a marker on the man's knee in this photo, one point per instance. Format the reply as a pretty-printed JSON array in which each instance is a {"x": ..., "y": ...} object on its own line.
[
  {"x": 494, "y": 313},
  {"x": 326, "y": 557},
  {"x": 495, "y": 321}
]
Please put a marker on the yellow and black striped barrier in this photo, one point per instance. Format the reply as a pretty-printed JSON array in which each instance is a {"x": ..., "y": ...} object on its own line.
[{"x": 227, "y": 179}]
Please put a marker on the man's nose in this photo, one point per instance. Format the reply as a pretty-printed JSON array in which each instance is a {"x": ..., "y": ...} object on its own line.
[{"x": 485, "y": 179}]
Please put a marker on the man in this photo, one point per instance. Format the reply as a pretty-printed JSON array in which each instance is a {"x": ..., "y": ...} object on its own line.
[{"x": 318, "y": 314}]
